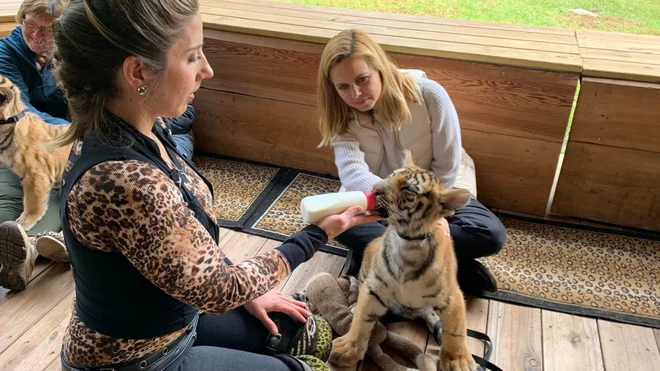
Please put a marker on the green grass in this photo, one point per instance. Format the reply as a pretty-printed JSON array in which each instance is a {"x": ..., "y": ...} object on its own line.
[{"x": 630, "y": 16}]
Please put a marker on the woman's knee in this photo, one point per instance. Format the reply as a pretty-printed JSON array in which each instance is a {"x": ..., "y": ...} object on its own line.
[
  {"x": 497, "y": 237},
  {"x": 477, "y": 232}
]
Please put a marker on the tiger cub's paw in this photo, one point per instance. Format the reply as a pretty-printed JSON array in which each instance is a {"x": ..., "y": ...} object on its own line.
[
  {"x": 346, "y": 351},
  {"x": 457, "y": 362}
]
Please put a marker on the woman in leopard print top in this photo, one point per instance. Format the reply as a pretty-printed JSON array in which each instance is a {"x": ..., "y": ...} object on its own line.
[{"x": 137, "y": 216}]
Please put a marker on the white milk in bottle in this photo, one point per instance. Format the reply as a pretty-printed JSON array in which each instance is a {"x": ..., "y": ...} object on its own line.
[{"x": 315, "y": 208}]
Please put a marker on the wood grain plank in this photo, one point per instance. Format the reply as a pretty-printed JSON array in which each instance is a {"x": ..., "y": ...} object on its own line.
[
  {"x": 404, "y": 17},
  {"x": 512, "y": 173},
  {"x": 523, "y": 46},
  {"x": 628, "y": 347},
  {"x": 320, "y": 262},
  {"x": 240, "y": 246},
  {"x": 516, "y": 334},
  {"x": 223, "y": 233},
  {"x": 279, "y": 133},
  {"x": 609, "y": 184},
  {"x": 40, "y": 266},
  {"x": 621, "y": 70},
  {"x": 500, "y": 99},
  {"x": 358, "y": 21},
  {"x": 270, "y": 72},
  {"x": 6, "y": 28},
  {"x": 618, "y": 113},
  {"x": 433, "y": 48},
  {"x": 621, "y": 56},
  {"x": 477, "y": 319},
  {"x": 570, "y": 343},
  {"x": 20, "y": 312},
  {"x": 55, "y": 365},
  {"x": 618, "y": 41},
  {"x": 8, "y": 15},
  {"x": 37, "y": 347}
]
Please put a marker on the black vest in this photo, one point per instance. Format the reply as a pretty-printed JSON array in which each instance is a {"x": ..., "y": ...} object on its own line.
[{"x": 112, "y": 296}]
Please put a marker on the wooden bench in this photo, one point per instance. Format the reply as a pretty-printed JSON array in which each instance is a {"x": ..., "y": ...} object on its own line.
[
  {"x": 513, "y": 87},
  {"x": 611, "y": 170},
  {"x": 6, "y": 28},
  {"x": 8, "y": 10}
]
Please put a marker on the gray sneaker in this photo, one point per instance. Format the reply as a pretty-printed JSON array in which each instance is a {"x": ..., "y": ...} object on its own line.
[
  {"x": 50, "y": 245},
  {"x": 17, "y": 256}
]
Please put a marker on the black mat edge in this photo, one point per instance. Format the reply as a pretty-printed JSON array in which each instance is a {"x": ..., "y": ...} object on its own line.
[
  {"x": 632, "y": 233},
  {"x": 516, "y": 298}
]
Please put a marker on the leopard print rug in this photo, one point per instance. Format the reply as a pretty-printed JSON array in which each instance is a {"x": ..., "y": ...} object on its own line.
[
  {"x": 579, "y": 271},
  {"x": 592, "y": 273},
  {"x": 281, "y": 217},
  {"x": 238, "y": 187}
]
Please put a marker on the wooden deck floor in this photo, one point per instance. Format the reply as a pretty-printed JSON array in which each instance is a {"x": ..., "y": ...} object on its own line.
[{"x": 32, "y": 323}]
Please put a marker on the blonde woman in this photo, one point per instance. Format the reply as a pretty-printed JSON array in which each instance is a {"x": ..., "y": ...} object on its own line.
[{"x": 370, "y": 111}]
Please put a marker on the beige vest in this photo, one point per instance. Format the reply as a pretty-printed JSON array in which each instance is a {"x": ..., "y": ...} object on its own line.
[{"x": 416, "y": 137}]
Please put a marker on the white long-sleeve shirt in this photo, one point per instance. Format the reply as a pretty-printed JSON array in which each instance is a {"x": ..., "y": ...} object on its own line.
[{"x": 359, "y": 172}]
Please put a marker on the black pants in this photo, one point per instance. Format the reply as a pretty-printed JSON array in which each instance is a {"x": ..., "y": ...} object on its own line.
[
  {"x": 232, "y": 341},
  {"x": 476, "y": 232}
]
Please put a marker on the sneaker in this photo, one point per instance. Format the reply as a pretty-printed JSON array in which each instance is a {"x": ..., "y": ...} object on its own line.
[
  {"x": 475, "y": 279},
  {"x": 17, "y": 256},
  {"x": 50, "y": 245}
]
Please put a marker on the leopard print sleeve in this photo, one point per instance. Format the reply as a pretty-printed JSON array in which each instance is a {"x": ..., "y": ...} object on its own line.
[{"x": 134, "y": 208}]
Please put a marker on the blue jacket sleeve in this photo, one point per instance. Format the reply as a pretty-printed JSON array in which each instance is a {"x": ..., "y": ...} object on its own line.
[
  {"x": 10, "y": 70},
  {"x": 183, "y": 123}
]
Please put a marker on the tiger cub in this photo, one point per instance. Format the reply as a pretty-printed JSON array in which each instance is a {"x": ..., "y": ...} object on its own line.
[
  {"x": 22, "y": 150},
  {"x": 411, "y": 269}
]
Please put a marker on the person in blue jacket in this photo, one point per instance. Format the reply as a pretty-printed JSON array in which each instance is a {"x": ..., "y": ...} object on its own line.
[{"x": 26, "y": 58}]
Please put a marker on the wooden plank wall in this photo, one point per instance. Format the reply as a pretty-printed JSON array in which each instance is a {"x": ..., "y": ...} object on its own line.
[
  {"x": 611, "y": 168},
  {"x": 8, "y": 10},
  {"x": 6, "y": 28},
  {"x": 261, "y": 105},
  {"x": 619, "y": 56}
]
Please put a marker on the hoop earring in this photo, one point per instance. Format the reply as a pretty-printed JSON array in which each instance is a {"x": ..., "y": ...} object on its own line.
[{"x": 142, "y": 90}]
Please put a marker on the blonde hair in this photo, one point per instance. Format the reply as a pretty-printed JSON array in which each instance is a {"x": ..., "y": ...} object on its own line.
[
  {"x": 50, "y": 9},
  {"x": 397, "y": 88}
]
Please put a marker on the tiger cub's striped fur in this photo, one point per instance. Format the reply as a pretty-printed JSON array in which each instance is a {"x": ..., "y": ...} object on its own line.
[
  {"x": 411, "y": 269},
  {"x": 22, "y": 150}
]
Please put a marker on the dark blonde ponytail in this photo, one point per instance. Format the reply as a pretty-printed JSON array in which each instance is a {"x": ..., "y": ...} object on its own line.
[{"x": 93, "y": 39}]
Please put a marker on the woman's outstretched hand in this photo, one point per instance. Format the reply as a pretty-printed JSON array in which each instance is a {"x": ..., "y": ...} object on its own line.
[
  {"x": 335, "y": 225},
  {"x": 275, "y": 301}
]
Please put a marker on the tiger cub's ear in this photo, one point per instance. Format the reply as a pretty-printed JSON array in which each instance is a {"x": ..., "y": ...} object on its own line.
[
  {"x": 454, "y": 199},
  {"x": 409, "y": 161}
]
